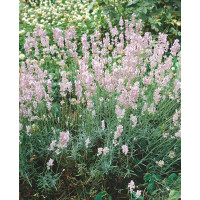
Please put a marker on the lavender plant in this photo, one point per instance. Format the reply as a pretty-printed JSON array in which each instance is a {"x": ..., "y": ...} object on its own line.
[{"x": 103, "y": 121}]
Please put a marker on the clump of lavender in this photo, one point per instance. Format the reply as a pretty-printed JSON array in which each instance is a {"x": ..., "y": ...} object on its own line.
[{"x": 121, "y": 90}]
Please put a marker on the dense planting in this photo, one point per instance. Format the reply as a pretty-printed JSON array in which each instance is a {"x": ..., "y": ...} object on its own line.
[{"x": 99, "y": 113}]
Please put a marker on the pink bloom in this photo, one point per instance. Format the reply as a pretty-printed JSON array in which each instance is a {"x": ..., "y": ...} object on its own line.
[
  {"x": 105, "y": 150},
  {"x": 139, "y": 26},
  {"x": 176, "y": 117},
  {"x": 134, "y": 120},
  {"x": 49, "y": 86},
  {"x": 178, "y": 134},
  {"x": 151, "y": 109},
  {"x": 34, "y": 118},
  {"x": 90, "y": 104},
  {"x": 120, "y": 112},
  {"x": 157, "y": 96},
  {"x": 57, "y": 152},
  {"x": 115, "y": 143},
  {"x": 52, "y": 145},
  {"x": 118, "y": 132},
  {"x": 64, "y": 139},
  {"x": 20, "y": 126},
  {"x": 99, "y": 151},
  {"x": 49, "y": 163},
  {"x": 144, "y": 108},
  {"x": 165, "y": 135},
  {"x": 35, "y": 104},
  {"x": 28, "y": 128},
  {"x": 101, "y": 99},
  {"x": 125, "y": 149},
  {"x": 146, "y": 80},
  {"x": 131, "y": 186},
  {"x": 48, "y": 106},
  {"x": 87, "y": 142},
  {"x": 62, "y": 102},
  {"x": 121, "y": 22},
  {"x": 65, "y": 84},
  {"x": 103, "y": 124},
  {"x": 175, "y": 47},
  {"x": 138, "y": 193},
  {"x": 114, "y": 31}
]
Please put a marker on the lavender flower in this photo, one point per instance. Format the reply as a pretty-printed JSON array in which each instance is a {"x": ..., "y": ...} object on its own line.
[
  {"x": 50, "y": 163},
  {"x": 64, "y": 139},
  {"x": 125, "y": 149}
]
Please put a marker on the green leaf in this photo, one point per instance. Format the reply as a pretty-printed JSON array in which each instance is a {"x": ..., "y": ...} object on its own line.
[
  {"x": 145, "y": 11},
  {"x": 150, "y": 187},
  {"x": 174, "y": 195},
  {"x": 154, "y": 192},
  {"x": 147, "y": 177},
  {"x": 159, "y": 177},
  {"x": 100, "y": 195},
  {"x": 172, "y": 177},
  {"x": 132, "y": 2},
  {"x": 98, "y": 198}
]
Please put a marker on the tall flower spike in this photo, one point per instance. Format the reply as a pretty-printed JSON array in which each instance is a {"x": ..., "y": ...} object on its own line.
[
  {"x": 131, "y": 186},
  {"x": 50, "y": 163},
  {"x": 64, "y": 139},
  {"x": 125, "y": 149}
]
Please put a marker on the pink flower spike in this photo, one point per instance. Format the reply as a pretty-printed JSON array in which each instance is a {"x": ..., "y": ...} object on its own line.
[
  {"x": 49, "y": 163},
  {"x": 138, "y": 193},
  {"x": 105, "y": 150},
  {"x": 131, "y": 186},
  {"x": 178, "y": 134},
  {"x": 99, "y": 151},
  {"x": 64, "y": 139},
  {"x": 125, "y": 149},
  {"x": 28, "y": 128},
  {"x": 52, "y": 145},
  {"x": 103, "y": 125},
  {"x": 118, "y": 132},
  {"x": 87, "y": 142}
]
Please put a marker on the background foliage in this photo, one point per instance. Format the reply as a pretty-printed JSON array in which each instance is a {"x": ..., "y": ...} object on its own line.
[{"x": 157, "y": 15}]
